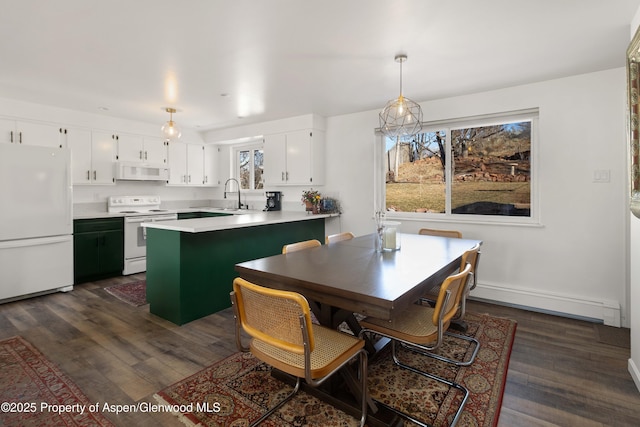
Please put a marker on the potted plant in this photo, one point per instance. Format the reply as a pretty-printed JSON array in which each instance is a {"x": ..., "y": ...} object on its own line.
[{"x": 311, "y": 199}]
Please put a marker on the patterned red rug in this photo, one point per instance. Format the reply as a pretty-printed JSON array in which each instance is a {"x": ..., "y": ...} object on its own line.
[
  {"x": 242, "y": 388},
  {"x": 134, "y": 293},
  {"x": 35, "y": 392}
]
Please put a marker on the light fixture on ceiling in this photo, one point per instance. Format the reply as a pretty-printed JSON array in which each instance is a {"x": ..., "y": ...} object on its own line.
[
  {"x": 170, "y": 129},
  {"x": 401, "y": 116}
]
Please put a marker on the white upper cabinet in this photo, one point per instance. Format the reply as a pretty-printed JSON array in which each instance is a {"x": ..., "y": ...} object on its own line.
[
  {"x": 211, "y": 166},
  {"x": 195, "y": 165},
  {"x": 191, "y": 165},
  {"x": 30, "y": 133},
  {"x": 92, "y": 156},
  {"x": 142, "y": 149},
  {"x": 177, "y": 152},
  {"x": 294, "y": 158}
]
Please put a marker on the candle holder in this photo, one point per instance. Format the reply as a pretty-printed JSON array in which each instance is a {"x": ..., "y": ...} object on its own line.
[{"x": 390, "y": 237}]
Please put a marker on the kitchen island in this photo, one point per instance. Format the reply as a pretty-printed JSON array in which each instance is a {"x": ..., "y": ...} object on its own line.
[{"x": 191, "y": 262}]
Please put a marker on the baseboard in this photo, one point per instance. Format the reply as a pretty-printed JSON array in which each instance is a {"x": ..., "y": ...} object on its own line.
[
  {"x": 607, "y": 312},
  {"x": 635, "y": 373}
]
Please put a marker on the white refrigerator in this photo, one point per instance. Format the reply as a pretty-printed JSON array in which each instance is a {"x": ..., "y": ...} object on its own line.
[{"x": 36, "y": 221}]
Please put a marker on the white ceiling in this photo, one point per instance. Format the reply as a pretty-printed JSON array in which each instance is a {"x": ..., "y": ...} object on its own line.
[{"x": 228, "y": 63}]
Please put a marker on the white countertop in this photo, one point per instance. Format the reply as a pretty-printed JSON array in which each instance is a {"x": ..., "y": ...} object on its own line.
[{"x": 254, "y": 218}]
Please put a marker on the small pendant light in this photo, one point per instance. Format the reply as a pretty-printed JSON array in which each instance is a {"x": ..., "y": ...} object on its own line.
[{"x": 170, "y": 129}]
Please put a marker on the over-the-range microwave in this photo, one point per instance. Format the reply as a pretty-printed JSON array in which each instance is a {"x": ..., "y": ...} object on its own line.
[{"x": 141, "y": 172}]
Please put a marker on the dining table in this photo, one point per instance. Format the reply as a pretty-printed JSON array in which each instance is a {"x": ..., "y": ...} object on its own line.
[{"x": 352, "y": 278}]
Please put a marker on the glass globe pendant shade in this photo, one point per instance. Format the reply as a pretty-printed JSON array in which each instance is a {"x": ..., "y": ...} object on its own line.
[
  {"x": 401, "y": 116},
  {"x": 170, "y": 129}
]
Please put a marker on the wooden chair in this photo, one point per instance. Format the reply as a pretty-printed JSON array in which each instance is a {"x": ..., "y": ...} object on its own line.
[
  {"x": 282, "y": 335},
  {"x": 471, "y": 258},
  {"x": 444, "y": 233},
  {"x": 333, "y": 238},
  {"x": 298, "y": 246},
  {"x": 422, "y": 328}
]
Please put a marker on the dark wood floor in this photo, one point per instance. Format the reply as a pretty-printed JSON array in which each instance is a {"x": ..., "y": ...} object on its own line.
[{"x": 563, "y": 372}]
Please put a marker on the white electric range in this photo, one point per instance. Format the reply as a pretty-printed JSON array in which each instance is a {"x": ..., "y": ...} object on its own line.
[{"x": 136, "y": 210}]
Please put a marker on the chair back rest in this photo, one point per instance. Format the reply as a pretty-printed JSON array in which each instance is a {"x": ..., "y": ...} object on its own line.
[
  {"x": 273, "y": 316},
  {"x": 471, "y": 257},
  {"x": 306, "y": 244},
  {"x": 333, "y": 238},
  {"x": 443, "y": 233},
  {"x": 455, "y": 284}
]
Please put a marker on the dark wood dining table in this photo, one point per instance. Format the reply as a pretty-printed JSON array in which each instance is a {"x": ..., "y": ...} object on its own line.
[{"x": 351, "y": 276}]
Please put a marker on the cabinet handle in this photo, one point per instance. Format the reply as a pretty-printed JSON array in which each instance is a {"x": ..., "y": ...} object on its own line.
[
  {"x": 189, "y": 179},
  {"x": 282, "y": 179},
  {"x": 88, "y": 175},
  {"x": 140, "y": 157},
  {"x": 95, "y": 175},
  {"x": 20, "y": 137},
  {"x": 145, "y": 155},
  {"x": 287, "y": 176},
  {"x": 11, "y": 137}
]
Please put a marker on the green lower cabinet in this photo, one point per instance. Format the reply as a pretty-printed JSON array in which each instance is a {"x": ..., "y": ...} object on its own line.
[
  {"x": 191, "y": 215},
  {"x": 98, "y": 249},
  {"x": 190, "y": 275}
]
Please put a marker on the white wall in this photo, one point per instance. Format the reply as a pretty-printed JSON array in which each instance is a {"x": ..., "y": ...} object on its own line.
[
  {"x": 99, "y": 193},
  {"x": 634, "y": 255}
]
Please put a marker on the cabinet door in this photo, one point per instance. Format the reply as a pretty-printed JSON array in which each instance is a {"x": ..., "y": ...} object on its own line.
[
  {"x": 195, "y": 165},
  {"x": 211, "y": 166},
  {"x": 130, "y": 148},
  {"x": 41, "y": 134},
  {"x": 103, "y": 155},
  {"x": 7, "y": 131},
  {"x": 111, "y": 251},
  {"x": 177, "y": 153},
  {"x": 155, "y": 151},
  {"x": 79, "y": 142},
  {"x": 275, "y": 166},
  {"x": 298, "y": 155},
  {"x": 86, "y": 255}
]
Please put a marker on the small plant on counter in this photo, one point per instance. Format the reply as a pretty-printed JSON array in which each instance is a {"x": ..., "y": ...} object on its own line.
[{"x": 311, "y": 198}]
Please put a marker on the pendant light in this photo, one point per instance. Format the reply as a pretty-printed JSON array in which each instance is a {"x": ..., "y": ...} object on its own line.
[
  {"x": 170, "y": 129},
  {"x": 401, "y": 116}
]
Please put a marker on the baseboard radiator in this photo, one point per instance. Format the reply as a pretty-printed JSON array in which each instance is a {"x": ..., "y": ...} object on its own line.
[{"x": 607, "y": 312}]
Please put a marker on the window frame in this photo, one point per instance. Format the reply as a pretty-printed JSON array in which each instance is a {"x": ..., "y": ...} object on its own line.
[
  {"x": 458, "y": 123},
  {"x": 235, "y": 149}
]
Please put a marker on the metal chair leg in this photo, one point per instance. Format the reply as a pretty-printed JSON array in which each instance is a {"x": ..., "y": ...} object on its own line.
[{"x": 275, "y": 408}]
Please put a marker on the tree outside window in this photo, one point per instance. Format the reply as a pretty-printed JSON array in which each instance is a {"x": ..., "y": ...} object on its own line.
[
  {"x": 487, "y": 171},
  {"x": 250, "y": 166}
]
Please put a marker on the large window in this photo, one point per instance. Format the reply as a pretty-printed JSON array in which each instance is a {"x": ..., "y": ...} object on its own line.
[
  {"x": 476, "y": 166},
  {"x": 249, "y": 165}
]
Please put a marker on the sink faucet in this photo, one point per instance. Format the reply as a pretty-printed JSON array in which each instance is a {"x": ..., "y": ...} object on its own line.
[{"x": 225, "y": 191}]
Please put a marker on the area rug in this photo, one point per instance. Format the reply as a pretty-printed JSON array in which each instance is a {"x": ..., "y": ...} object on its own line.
[
  {"x": 239, "y": 388},
  {"x": 35, "y": 392},
  {"x": 134, "y": 293}
]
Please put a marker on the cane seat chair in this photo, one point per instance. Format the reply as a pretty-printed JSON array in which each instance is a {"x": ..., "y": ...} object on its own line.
[
  {"x": 338, "y": 237},
  {"x": 472, "y": 258},
  {"x": 421, "y": 328},
  {"x": 298, "y": 246},
  {"x": 443, "y": 233},
  {"x": 283, "y": 336}
]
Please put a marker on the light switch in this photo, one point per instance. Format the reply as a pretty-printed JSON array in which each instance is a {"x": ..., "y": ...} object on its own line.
[{"x": 602, "y": 175}]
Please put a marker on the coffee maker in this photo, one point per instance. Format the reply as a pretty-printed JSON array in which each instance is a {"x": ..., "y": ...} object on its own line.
[{"x": 273, "y": 201}]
